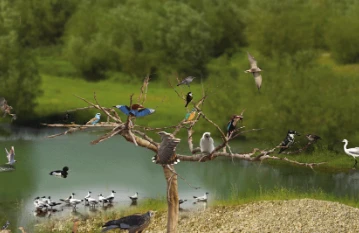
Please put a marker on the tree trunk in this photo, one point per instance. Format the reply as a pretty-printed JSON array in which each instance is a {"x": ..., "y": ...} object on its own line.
[{"x": 172, "y": 199}]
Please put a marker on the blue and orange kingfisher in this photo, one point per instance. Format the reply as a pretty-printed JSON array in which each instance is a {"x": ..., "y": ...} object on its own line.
[{"x": 190, "y": 116}]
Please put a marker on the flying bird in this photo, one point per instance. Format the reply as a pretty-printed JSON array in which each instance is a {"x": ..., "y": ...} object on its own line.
[
  {"x": 60, "y": 173},
  {"x": 255, "y": 70},
  {"x": 132, "y": 223},
  {"x": 312, "y": 137},
  {"x": 354, "y": 152},
  {"x": 206, "y": 143},
  {"x": 134, "y": 197},
  {"x": 189, "y": 98},
  {"x": 231, "y": 126},
  {"x": 94, "y": 120},
  {"x": 202, "y": 198},
  {"x": 190, "y": 115},
  {"x": 186, "y": 81},
  {"x": 167, "y": 150},
  {"x": 6, "y": 109},
  {"x": 10, "y": 155},
  {"x": 288, "y": 140},
  {"x": 136, "y": 110}
]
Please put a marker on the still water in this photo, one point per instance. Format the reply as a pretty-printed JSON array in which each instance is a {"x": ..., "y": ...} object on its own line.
[{"x": 121, "y": 166}]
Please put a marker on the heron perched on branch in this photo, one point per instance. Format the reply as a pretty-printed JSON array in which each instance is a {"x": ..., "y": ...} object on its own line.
[
  {"x": 167, "y": 150},
  {"x": 132, "y": 223}
]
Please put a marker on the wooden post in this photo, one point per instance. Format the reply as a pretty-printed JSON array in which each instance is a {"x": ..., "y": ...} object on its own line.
[{"x": 172, "y": 199}]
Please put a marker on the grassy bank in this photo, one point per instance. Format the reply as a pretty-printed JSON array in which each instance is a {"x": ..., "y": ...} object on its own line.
[{"x": 93, "y": 223}]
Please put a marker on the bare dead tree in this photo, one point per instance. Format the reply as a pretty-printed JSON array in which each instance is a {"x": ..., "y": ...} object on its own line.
[{"x": 137, "y": 134}]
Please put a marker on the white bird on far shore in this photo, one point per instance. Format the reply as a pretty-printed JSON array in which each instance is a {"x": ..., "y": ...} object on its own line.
[{"x": 354, "y": 152}]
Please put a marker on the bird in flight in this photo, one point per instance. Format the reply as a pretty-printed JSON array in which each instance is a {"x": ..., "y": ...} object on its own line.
[
  {"x": 94, "y": 120},
  {"x": 132, "y": 223},
  {"x": 255, "y": 70},
  {"x": 167, "y": 150},
  {"x": 186, "y": 81},
  {"x": 136, "y": 110},
  {"x": 10, "y": 156}
]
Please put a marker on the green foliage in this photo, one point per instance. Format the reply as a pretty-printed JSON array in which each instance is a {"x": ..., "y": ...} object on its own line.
[
  {"x": 343, "y": 35},
  {"x": 18, "y": 70},
  {"x": 43, "y": 22}
]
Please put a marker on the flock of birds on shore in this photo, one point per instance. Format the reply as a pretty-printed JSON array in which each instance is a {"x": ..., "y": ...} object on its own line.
[{"x": 164, "y": 156}]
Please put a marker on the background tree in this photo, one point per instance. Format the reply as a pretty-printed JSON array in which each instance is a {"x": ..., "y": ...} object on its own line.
[{"x": 20, "y": 82}]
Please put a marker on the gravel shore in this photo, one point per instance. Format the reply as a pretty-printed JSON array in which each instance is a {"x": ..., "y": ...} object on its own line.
[{"x": 304, "y": 215}]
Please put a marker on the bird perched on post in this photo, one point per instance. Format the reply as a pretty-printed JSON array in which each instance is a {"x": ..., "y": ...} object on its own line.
[
  {"x": 10, "y": 155},
  {"x": 354, "y": 152},
  {"x": 186, "y": 81},
  {"x": 60, "y": 173},
  {"x": 189, "y": 98},
  {"x": 167, "y": 150},
  {"x": 136, "y": 110},
  {"x": 231, "y": 126},
  {"x": 288, "y": 140},
  {"x": 206, "y": 143},
  {"x": 132, "y": 223},
  {"x": 94, "y": 120},
  {"x": 312, "y": 137},
  {"x": 190, "y": 115},
  {"x": 255, "y": 70}
]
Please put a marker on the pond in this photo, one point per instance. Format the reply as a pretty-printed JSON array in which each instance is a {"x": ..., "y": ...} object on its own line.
[{"x": 121, "y": 166}]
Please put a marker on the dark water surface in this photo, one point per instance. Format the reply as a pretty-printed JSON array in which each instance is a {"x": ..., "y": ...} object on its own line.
[{"x": 118, "y": 165}]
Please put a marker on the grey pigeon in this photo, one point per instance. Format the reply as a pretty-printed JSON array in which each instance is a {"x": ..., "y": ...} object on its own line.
[
  {"x": 132, "y": 223},
  {"x": 186, "y": 81}
]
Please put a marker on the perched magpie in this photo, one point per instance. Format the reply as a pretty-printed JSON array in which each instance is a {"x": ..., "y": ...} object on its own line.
[
  {"x": 288, "y": 140},
  {"x": 60, "y": 173},
  {"x": 189, "y": 98}
]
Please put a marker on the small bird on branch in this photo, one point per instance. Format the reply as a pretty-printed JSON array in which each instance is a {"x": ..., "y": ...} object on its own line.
[
  {"x": 191, "y": 115},
  {"x": 167, "y": 150},
  {"x": 186, "y": 81},
  {"x": 206, "y": 143},
  {"x": 312, "y": 137},
  {"x": 288, "y": 140},
  {"x": 132, "y": 223},
  {"x": 136, "y": 110},
  {"x": 94, "y": 120},
  {"x": 231, "y": 126},
  {"x": 255, "y": 70},
  {"x": 189, "y": 98}
]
